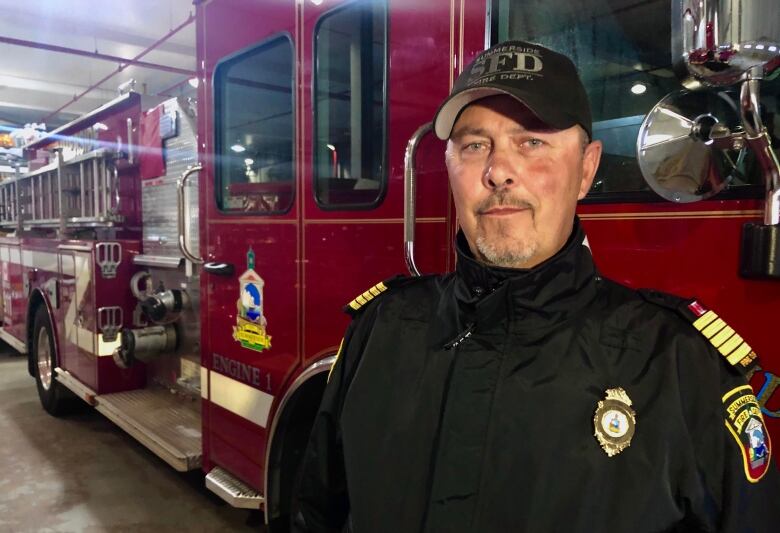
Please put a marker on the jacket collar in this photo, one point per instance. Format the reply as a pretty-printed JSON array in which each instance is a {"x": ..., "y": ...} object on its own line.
[{"x": 561, "y": 285}]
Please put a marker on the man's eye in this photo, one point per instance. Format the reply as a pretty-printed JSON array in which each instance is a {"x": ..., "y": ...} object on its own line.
[
  {"x": 534, "y": 143},
  {"x": 474, "y": 147}
]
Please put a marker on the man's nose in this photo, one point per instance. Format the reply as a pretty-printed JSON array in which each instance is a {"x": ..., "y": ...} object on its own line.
[{"x": 500, "y": 171}]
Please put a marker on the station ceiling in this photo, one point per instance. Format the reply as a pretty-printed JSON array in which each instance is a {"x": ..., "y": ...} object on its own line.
[{"x": 60, "y": 59}]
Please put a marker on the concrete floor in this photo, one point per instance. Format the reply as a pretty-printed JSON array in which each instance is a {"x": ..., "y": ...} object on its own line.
[{"x": 81, "y": 473}]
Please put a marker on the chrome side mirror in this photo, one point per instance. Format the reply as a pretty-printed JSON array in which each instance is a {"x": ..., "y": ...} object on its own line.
[{"x": 690, "y": 145}]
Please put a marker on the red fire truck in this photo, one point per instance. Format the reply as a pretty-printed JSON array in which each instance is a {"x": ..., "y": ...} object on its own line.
[{"x": 182, "y": 267}]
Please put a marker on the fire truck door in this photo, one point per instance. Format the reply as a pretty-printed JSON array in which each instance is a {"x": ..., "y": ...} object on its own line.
[
  {"x": 249, "y": 239},
  {"x": 374, "y": 72}
]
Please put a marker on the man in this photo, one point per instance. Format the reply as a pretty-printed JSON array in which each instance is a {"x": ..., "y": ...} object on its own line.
[{"x": 524, "y": 392}]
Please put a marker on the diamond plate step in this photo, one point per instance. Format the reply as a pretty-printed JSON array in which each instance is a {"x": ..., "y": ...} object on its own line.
[
  {"x": 233, "y": 490},
  {"x": 166, "y": 423}
]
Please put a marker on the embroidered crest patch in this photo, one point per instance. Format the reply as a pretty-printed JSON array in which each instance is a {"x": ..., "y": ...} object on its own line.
[{"x": 746, "y": 424}]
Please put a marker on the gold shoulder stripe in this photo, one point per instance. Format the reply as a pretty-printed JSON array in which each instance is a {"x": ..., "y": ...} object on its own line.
[
  {"x": 725, "y": 339},
  {"x": 730, "y": 346},
  {"x": 724, "y": 335},
  {"x": 713, "y": 328},
  {"x": 367, "y": 296},
  {"x": 737, "y": 355},
  {"x": 705, "y": 320}
]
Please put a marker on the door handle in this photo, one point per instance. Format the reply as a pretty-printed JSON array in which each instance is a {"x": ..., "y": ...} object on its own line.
[
  {"x": 182, "y": 207},
  {"x": 220, "y": 269},
  {"x": 410, "y": 194}
]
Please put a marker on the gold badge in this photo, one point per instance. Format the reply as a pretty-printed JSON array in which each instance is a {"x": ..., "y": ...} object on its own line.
[{"x": 614, "y": 421}]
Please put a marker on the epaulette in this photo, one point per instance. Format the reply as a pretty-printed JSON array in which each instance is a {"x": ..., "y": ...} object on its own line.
[
  {"x": 728, "y": 342},
  {"x": 353, "y": 307}
]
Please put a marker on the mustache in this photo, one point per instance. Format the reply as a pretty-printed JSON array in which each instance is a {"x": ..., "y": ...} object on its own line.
[{"x": 501, "y": 199}]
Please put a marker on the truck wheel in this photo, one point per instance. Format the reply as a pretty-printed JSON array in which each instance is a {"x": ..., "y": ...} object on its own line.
[{"x": 54, "y": 397}]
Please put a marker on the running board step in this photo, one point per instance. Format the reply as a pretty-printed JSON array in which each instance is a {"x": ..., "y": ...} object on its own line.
[
  {"x": 233, "y": 490},
  {"x": 12, "y": 341},
  {"x": 163, "y": 422}
]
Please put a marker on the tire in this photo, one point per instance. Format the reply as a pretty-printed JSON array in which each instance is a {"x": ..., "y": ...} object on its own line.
[
  {"x": 293, "y": 440},
  {"x": 55, "y": 398}
]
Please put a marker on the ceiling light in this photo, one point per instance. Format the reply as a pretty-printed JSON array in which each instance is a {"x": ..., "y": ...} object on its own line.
[
  {"x": 248, "y": 161},
  {"x": 238, "y": 148},
  {"x": 639, "y": 88},
  {"x": 194, "y": 82}
]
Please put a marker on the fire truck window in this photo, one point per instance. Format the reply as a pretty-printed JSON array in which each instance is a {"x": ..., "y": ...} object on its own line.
[
  {"x": 349, "y": 106},
  {"x": 622, "y": 49},
  {"x": 254, "y": 130}
]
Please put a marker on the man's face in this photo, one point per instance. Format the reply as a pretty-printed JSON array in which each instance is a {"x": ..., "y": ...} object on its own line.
[{"x": 516, "y": 182}]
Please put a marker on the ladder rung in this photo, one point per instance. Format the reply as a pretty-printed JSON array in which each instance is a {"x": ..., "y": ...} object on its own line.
[{"x": 77, "y": 193}]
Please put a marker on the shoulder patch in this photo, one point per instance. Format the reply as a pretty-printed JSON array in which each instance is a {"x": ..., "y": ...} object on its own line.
[
  {"x": 364, "y": 298},
  {"x": 746, "y": 424},
  {"x": 723, "y": 337},
  {"x": 353, "y": 307},
  {"x": 728, "y": 342}
]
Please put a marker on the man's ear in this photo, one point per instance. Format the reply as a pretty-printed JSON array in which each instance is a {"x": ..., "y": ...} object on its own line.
[{"x": 590, "y": 164}]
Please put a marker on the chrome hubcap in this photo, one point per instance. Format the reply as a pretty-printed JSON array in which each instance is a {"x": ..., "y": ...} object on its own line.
[{"x": 44, "y": 359}]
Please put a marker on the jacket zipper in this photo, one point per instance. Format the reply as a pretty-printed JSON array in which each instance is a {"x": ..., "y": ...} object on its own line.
[{"x": 461, "y": 337}]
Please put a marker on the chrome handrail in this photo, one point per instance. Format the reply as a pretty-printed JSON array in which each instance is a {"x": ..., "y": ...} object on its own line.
[
  {"x": 183, "y": 234},
  {"x": 130, "y": 156},
  {"x": 410, "y": 195}
]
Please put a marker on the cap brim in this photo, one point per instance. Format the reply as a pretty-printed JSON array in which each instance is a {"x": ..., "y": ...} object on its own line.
[{"x": 448, "y": 112}]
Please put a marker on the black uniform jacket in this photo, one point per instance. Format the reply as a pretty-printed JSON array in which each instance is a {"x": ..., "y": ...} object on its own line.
[{"x": 465, "y": 403}]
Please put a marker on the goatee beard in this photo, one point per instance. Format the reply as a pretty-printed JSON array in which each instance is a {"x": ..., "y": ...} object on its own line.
[{"x": 510, "y": 253}]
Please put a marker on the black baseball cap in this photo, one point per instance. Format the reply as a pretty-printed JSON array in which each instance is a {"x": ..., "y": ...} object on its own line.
[{"x": 545, "y": 81}]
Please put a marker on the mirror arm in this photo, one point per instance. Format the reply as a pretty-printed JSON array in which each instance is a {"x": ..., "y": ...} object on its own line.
[
  {"x": 726, "y": 140},
  {"x": 758, "y": 139}
]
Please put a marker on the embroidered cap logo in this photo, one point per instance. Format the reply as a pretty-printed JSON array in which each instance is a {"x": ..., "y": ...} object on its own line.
[
  {"x": 542, "y": 79},
  {"x": 506, "y": 65}
]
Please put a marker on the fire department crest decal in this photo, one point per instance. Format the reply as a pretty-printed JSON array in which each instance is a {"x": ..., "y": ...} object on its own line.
[
  {"x": 614, "y": 421},
  {"x": 746, "y": 424},
  {"x": 250, "y": 329}
]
